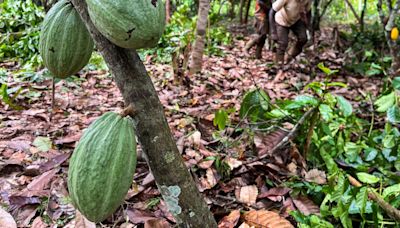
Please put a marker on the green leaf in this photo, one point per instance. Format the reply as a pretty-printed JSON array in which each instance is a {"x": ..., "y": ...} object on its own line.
[
  {"x": 337, "y": 84},
  {"x": 370, "y": 154},
  {"x": 394, "y": 189},
  {"x": 254, "y": 104},
  {"x": 302, "y": 101},
  {"x": 352, "y": 150},
  {"x": 396, "y": 83},
  {"x": 326, "y": 112},
  {"x": 43, "y": 144},
  {"x": 317, "y": 87},
  {"x": 221, "y": 118},
  {"x": 385, "y": 102},
  {"x": 326, "y": 70},
  {"x": 345, "y": 106},
  {"x": 393, "y": 114},
  {"x": 389, "y": 141},
  {"x": 367, "y": 178},
  {"x": 387, "y": 155},
  {"x": 361, "y": 199}
]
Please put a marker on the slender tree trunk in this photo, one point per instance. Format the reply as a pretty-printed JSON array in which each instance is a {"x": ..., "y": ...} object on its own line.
[
  {"x": 246, "y": 18},
  {"x": 232, "y": 9},
  {"x": 198, "y": 47},
  {"x": 364, "y": 9},
  {"x": 315, "y": 18},
  {"x": 172, "y": 177},
  {"x": 241, "y": 10},
  {"x": 353, "y": 11},
  {"x": 167, "y": 10},
  {"x": 388, "y": 25}
]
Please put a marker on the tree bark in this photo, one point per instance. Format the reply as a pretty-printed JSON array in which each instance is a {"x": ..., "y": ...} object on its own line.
[
  {"x": 232, "y": 9},
  {"x": 246, "y": 18},
  {"x": 167, "y": 10},
  {"x": 171, "y": 175},
  {"x": 199, "y": 44},
  {"x": 241, "y": 6}
]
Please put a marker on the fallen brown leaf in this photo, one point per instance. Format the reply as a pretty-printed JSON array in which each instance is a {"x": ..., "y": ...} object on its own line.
[
  {"x": 306, "y": 206},
  {"x": 230, "y": 220},
  {"x": 247, "y": 194},
  {"x": 157, "y": 223},
  {"x": 316, "y": 176},
  {"x": 82, "y": 222},
  {"x": 266, "y": 219}
]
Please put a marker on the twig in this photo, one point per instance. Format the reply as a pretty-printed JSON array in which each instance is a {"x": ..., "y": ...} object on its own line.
[
  {"x": 287, "y": 138},
  {"x": 128, "y": 111},
  {"x": 389, "y": 209},
  {"x": 310, "y": 133},
  {"x": 53, "y": 100}
]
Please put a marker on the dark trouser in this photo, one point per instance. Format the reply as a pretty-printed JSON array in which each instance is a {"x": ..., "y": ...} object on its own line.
[
  {"x": 262, "y": 31},
  {"x": 299, "y": 29},
  {"x": 272, "y": 25}
]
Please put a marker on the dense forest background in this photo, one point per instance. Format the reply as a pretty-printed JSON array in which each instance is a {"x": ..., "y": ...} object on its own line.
[{"x": 313, "y": 144}]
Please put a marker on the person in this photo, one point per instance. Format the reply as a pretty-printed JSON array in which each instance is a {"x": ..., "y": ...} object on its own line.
[
  {"x": 290, "y": 15},
  {"x": 262, "y": 8}
]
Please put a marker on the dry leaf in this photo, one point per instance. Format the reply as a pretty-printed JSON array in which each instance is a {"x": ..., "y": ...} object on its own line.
[
  {"x": 266, "y": 142},
  {"x": 38, "y": 223},
  {"x": 316, "y": 176},
  {"x": 248, "y": 194},
  {"x": 230, "y": 220},
  {"x": 266, "y": 219},
  {"x": 82, "y": 222},
  {"x": 233, "y": 163},
  {"x": 157, "y": 223},
  {"x": 275, "y": 194},
  {"x": 306, "y": 206},
  {"x": 41, "y": 182},
  {"x": 6, "y": 220}
]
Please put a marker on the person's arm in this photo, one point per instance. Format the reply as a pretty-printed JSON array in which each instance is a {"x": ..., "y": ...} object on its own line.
[{"x": 277, "y": 5}]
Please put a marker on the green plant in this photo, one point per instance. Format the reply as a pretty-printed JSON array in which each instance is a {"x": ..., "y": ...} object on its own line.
[
  {"x": 389, "y": 102},
  {"x": 20, "y": 22},
  {"x": 102, "y": 166},
  {"x": 65, "y": 43},
  {"x": 336, "y": 135}
]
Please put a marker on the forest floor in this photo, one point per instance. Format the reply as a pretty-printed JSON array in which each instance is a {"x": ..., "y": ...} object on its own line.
[{"x": 35, "y": 146}]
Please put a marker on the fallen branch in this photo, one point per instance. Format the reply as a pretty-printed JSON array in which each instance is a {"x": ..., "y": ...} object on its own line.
[
  {"x": 389, "y": 209},
  {"x": 292, "y": 134}
]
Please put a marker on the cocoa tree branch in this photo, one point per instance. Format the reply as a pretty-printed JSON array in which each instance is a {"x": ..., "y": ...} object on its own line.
[
  {"x": 170, "y": 172},
  {"x": 389, "y": 209}
]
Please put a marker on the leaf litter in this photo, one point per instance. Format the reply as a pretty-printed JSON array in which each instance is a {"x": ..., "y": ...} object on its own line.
[{"x": 34, "y": 151}]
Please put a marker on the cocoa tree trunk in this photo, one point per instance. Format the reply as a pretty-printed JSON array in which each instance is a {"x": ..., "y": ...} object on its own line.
[
  {"x": 171, "y": 175},
  {"x": 198, "y": 47}
]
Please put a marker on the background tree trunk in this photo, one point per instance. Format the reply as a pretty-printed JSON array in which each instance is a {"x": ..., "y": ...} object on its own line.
[
  {"x": 167, "y": 10},
  {"x": 171, "y": 175},
  {"x": 246, "y": 18},
  {"x": 198, "y": 47},
  {"x": 241, "y": 6},
  {"x": 232, "y": 9}
]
